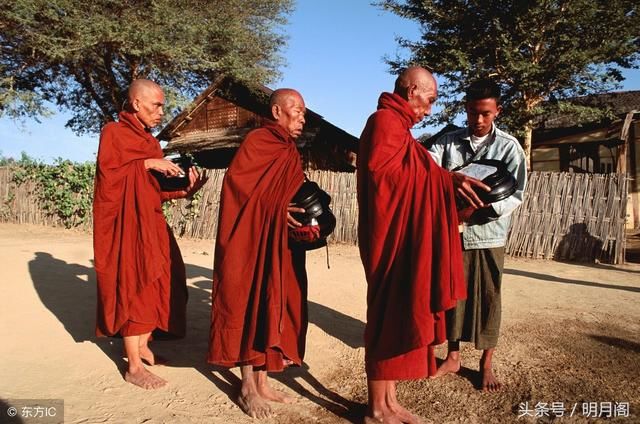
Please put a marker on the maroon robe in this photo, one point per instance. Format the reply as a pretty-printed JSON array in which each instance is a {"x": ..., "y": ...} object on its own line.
[
  {"x": 259, "y": 307},
  {"x": 140, "y": 272},
  {"x": 409, "y": 245}
]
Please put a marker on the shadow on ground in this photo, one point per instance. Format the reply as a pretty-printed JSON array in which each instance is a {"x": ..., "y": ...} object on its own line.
[
  {"x": 555, "y": 279},
  {"x": 68, "y": 290}
]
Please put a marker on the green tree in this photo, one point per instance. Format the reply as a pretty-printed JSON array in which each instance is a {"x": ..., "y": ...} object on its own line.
[
  {"x": 541, "y": 51},
  {"x": 82, "y": 55}
]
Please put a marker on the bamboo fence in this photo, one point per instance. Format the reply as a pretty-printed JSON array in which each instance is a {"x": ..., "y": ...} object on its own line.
[
  {"x": 340, "y": 186},
  {"x": 570, "y": 216},
  {"x": 564, "y": 216},
  {"x": 18, "y": 205}
]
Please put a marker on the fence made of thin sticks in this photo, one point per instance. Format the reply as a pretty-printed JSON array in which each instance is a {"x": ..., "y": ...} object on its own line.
[
  {"x": 198, "y": 219},
  {"x": 564, "y": 215},
  {"x": 340, "y": 186},
  {"x": 571, "y": 216},
  {"x": 19, "y": 205}
]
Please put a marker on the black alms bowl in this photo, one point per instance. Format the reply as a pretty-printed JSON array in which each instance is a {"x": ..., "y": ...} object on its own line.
[
  {"x": 179, "y": 182},
  {"x": 312, "y": 199},
  {"x": 502, "y": 183},
  {"x": 316, "y": 204}
]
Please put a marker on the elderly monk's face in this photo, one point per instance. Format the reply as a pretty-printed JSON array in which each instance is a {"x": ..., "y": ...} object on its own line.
[
  {"x": 289, "y": 113},
  {"x": 421, "y": 97},
  {"x": 148, "y": 107}
]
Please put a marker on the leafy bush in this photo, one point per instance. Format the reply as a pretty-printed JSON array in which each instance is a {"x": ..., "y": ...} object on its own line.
[{"x": 64, "y": 189}]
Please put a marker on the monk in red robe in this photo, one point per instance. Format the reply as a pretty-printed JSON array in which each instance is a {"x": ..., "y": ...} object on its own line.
[
  {"x": 409, "y": 244},
  {"x": 259, "y": 299},
  {"x": 140, "y": 272}
]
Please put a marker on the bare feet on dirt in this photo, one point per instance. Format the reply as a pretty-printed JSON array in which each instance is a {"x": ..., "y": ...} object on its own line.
[
  {"x": 489, "y": 381},
  {"x": 450, "y": 365},
  {"x": 254, "y": 406},
  {"x": 145, "y": 379}
]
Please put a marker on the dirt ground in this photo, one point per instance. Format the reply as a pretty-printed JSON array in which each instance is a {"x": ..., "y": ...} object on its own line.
[{"x": 570, "y": 339}]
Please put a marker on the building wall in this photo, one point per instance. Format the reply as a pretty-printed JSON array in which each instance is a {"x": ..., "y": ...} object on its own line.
[{"x": 545, "y": 159}]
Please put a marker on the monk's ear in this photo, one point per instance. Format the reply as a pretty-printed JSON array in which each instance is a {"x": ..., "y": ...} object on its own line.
[
  {"x": 411, "y": 91},
  {"x": 276, "y": 111}
]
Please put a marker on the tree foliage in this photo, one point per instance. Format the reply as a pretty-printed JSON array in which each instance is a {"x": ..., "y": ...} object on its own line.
[
  {"x": 83, "y": 55},
  {"x": 540, "y": 51}
]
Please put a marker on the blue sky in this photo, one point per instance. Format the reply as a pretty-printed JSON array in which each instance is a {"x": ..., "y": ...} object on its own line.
[{"x": 334, "y": 58}]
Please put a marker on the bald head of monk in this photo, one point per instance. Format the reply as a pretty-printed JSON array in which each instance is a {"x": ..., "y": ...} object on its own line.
[
  {"x": 145, "y": 100},
  {"x": 288, "y": 110},
  {"x": 419, "y": 88}
]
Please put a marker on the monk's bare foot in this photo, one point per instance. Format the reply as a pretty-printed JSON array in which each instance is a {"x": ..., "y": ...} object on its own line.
[
  {"x": 391, "y": 417},
  {"x": 371, "y": 420},
  {"x": 450, "y": 365},
  {"x": 269, "y": 393},
  {"x": 150, "y": 358},
  {"x": 145, "y": 379},
  {"x": 406, "y": 416},
  {"x": 391, "y": 413},
  {"x": 253, "y": 405},
  {"x": 489, "y": 381}
]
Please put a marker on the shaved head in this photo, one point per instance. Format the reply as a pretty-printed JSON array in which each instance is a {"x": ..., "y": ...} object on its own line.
[
  {"x": 141, "y": 87},
  {"x": 288, "y": 109},
  {"x": 419, "y": 88},
  {"x": 414, "y": 75},
  {"x": 145, "y": 101},
  {"x": 281, "y": 95}
]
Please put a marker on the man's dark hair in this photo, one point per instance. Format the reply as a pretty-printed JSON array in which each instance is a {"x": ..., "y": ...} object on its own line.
[{"x": 483, "y": 89}]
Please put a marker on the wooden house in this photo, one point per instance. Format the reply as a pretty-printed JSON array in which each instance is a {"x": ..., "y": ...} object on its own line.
[
  {"x": 562, "y": 143},
  {"x": 213, "y": 126}
]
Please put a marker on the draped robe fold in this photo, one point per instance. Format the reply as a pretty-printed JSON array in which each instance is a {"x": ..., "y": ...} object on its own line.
[
  {"x": 259, "y": 308},
  {"x": 139, "y": 268},
  {"x": 409, "y": 245}
]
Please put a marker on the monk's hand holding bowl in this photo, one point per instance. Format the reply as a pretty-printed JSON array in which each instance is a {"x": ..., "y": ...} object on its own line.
[
  {"x": 465, "y": 185},
  {"x": 196, "y": 181},
  {"x": 164, "y": 166},
  {"x": 291, "y": 221}
]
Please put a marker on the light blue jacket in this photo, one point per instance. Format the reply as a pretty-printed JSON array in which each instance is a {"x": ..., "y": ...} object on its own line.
[{"x": 453, "y": 149}]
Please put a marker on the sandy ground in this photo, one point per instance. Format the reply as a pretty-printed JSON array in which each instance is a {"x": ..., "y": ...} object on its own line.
[{"x": 571, "y": 336}]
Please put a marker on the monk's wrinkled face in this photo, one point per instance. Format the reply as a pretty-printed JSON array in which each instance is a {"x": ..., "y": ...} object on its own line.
[
  {"x": 481, "y": 114},
  {"x": 289, "y": 113},
  {"x": 148, "y": 107},
  {"x": 421, "y": 97}
]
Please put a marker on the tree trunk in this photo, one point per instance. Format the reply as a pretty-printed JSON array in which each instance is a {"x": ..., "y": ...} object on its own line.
[{"x": 526, "y": 144}]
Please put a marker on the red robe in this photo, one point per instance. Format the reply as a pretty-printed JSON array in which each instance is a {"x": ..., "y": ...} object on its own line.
[
  {"x": 409, "y": 245},
  {"x": 259, "y": 308},
  {"x": 140, "y": 272}
]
